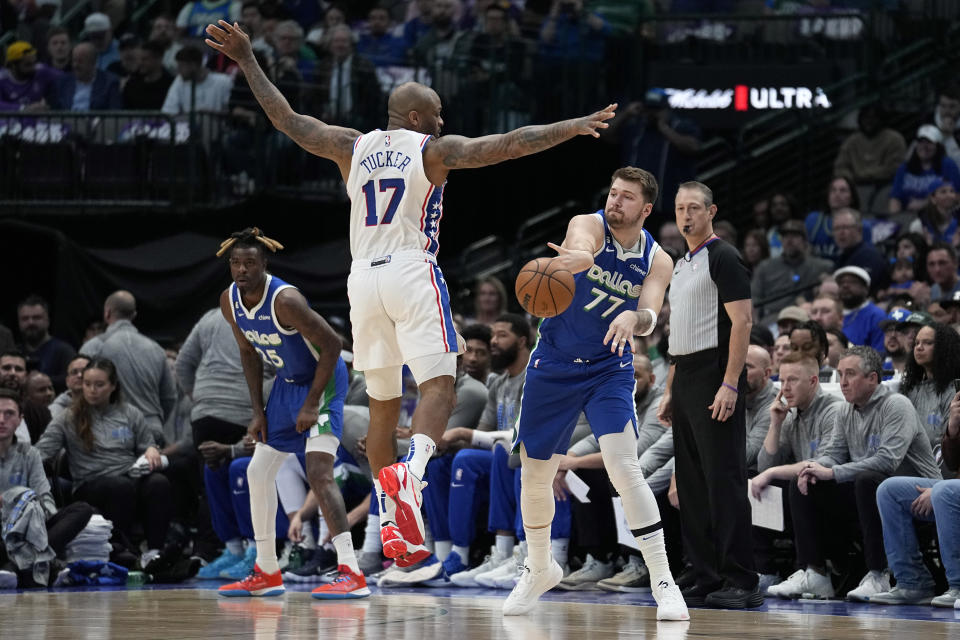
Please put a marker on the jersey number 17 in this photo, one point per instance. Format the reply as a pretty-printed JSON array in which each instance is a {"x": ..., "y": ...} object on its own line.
[{"x": 370, "y": 195}]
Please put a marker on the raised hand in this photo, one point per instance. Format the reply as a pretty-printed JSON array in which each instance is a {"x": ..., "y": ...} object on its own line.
[
  {"x": 230, "y": 39},
  {"x": 589, "y": 125}
]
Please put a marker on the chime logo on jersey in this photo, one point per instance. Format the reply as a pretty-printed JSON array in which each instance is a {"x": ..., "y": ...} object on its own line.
[
  {"x": 613, "y": 281},
  {"x": 263, "y": 339}
]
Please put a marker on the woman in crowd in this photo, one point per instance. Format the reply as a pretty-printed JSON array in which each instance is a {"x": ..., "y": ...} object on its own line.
[
  {"x": 755, "y": 248},
  {"x": 928, "y": 377},
  {"x": 927, "y": 163}
]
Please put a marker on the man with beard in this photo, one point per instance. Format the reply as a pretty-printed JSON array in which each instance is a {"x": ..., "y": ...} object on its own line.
[
  {"x": 476, "y": 359},
  {"x": 895, "y": 354},
  {"x": 37, "y": 395},
  {"x": 13, "y": 375},
  {"x": 50, "y": 354},
  {"x": 26, "y": 85},
  {"x": 861, "y": 318},
  {"x": 580, "y": 365},
  {"x": 777, "y": 281}
]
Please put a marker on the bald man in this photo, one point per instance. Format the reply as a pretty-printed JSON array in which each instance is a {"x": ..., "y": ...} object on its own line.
[
  {"x": 142, "y": 370},
  {"x": 760, "y": 395},
  {"x": 399, "y": 304}
]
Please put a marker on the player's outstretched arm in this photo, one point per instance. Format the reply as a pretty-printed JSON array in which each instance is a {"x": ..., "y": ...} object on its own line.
[
  {"x": 458, "y": 152},
  {"x": 583, "y": 239},
  {"x": 319, "y": 138}
]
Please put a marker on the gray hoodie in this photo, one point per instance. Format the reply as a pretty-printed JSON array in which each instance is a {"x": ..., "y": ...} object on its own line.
[
  {"x": 884, "y": 435},
  {"x": 804, "y": 433}
]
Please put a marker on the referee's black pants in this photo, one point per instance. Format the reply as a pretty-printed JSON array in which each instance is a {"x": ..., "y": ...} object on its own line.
[{"x": 711, "y": 474}]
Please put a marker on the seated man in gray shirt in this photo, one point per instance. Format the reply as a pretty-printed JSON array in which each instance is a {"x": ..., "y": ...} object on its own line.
[{"x": 877, "y": 435}]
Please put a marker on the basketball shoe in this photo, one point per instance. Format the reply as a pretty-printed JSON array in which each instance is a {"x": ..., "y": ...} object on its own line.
[
  {"x": 257, "y": 583},
  {"x": 405, "y": 490},
  {"x": 402, "y": 551},
  {"x": 346, "y": 585},
  {"x": 531, "y": 586}
]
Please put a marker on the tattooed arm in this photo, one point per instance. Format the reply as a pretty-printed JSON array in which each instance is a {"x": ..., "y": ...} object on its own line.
[
  {"x": 457, "y": 152},
  {"x": 319, "y": 138}
]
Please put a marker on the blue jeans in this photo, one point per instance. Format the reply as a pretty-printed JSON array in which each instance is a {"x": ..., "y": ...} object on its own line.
[{"x": 894, "y": 497}]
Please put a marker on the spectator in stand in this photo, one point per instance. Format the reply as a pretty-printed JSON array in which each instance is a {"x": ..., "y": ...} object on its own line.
[
  {"x": 781, "y": 347},
  {"x": 838, "y": 344},
  {"x": 47, "y": 354},
  {"x": 164, "y": 31},
  {"x": 810, "y": 338},
  {"x": 113, "y": 458},
  {"x": 760, "y": 395},
  {"x": 901, "y": 500},
  {"x": 827, "y": 311},
  {"x": 937, "y": 221},
  {"x": 129, "y": 62},
  {"x": 777, "y": 282},
  {"x": 927, "y": 163},
  {"x": 909, "y": 327},
  {"x": 37, "y": 395},
  {"x": 378, "y": 44},
  {"x": 726, "y": 231},
  {"x": 25, "y": 84},
  {"x": 789, "y": 318},
  {"x": 318, "y": 36},
  {"x": 950, "y": 306},
  {"x": 755, "y": 247},
  {"x": 928, "y": 377},
  {"x": 140, "y": 362},
  {"x": 652, "y": 135},
  {"x": 870, "y": 157},
  {"x": 942, "y": 270},
  {"x": 489, "y": 301},
  {"x": 876, "y": 435},
  {"x": 903, "y": 274},
  {"x": 673, "y": 243},
  {"x": 59, "y": 48},
  {"x": 88, "y": 88},
  {"x": 291, "y": 54},
  {"x": 21, "y": 465},
  {"x": 895, "y": 355},
  {"x": 417, "y": 26},
  {"x": 210, "y": 91},
  {"x": 251, "y": 19},
  {"x": 855, "y": 251},
  {"x": 74, "y": 385},
  {"x": 348, "y": 92},
  {"x": 945, "y": 118},
  {"x": 841, "y": 194},
  {"x": 99, "y": 33},
  {"x": 196, "y": 15},
  {"x": 147, "y": 88},
  {"x": 476, "y": 359},
  {"x": 782, "y": 207},
  {"x": 13, "y": 376},
  {"x": 861, "y": 317},
  {"x": 442, "y": 51}
]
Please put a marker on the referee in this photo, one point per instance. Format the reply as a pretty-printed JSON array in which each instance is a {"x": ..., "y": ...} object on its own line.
[{"x": 710, "y": 321}]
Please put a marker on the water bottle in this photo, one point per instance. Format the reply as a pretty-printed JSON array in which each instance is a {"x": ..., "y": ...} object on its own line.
[{"x": 137, "y": 579}]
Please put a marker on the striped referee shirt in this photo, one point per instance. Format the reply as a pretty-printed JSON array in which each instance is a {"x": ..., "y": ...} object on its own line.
[{"x": 703, "y": 281}]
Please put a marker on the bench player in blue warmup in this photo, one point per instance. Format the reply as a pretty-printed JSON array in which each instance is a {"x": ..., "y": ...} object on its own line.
[
  {"x": 273, "y": 323},
  {"x": 583, "y": 361}
]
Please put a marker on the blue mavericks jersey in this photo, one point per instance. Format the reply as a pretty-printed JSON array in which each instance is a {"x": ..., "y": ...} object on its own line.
[
  {"x": 291, "y": 355},
  {"x": 611, "y": 286}
]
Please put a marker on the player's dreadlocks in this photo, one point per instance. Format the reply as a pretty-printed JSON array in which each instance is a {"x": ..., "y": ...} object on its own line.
[{"x": 249, "y": 237}]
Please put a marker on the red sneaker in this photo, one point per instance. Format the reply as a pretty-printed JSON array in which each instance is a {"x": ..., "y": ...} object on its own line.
[
  {"x": 404, "y": 553},
  {"x": 347, "y": 584},
  {"x": 257, "y": 583},
  {"x": 404, "y": 489}
]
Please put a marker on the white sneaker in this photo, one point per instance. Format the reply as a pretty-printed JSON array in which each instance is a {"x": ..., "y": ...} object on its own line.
[
  {"x": 804, "y": 583},
  {"x": 427, "y": 570},
  {"x": 633, "y": 578},
  {"x": 766, "y": 581},
  {"x": 531, "y": 586},
  {"x": 670, "y": 604},
  {"x": 873, "y": 583},
  {"x": 8, "y": 580},
  {"x": 468, "y": 578},
  {"x": 587, "y": 576},
  {"x": 405, "y": 490},
  {"x": 947, "y": 599},
  {"x": 506, "y": 572}
]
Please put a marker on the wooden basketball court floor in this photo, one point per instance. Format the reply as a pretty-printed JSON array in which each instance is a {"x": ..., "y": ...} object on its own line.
[{"x": 195, "y": 611}]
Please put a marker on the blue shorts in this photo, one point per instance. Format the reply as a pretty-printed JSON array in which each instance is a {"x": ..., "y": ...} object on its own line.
[
  {"x": 286, "y": 400},
  {"x": 557, "y": 390}
]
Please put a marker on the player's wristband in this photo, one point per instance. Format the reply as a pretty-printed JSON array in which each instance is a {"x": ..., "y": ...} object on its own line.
[
  {"x": 732, "y": 388},
  {"x": 653, "y": 321}
]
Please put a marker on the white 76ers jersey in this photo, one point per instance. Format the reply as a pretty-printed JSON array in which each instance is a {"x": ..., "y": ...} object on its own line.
[{"x": 393, "y": 205}]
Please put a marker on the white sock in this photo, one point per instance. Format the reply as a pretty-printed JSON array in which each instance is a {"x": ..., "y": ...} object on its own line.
[
  {"x": 371, "y": 535},
  {"x": 463, "y": 552},
  {"x": 345, "y": 554},
  {"x": 538, "y": 548},
  {"x": 655, "y": 557},
  {"x": 505, "y": 545},
  {"x": 421, "y": 450},
  {"x": 308, "y": 542},
  {"x": 559, "y": 548},
  {"x": 442, "y": 549},
  {"x": 235, "y": 546}
]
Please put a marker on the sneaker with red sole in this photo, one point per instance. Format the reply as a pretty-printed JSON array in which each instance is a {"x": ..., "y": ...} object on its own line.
[
  {"x": 401, "y": 551},
  {"x": 257, "y": 583},
  {"x": 346, "y": 585},
  {"x": 405, "y": 490}
]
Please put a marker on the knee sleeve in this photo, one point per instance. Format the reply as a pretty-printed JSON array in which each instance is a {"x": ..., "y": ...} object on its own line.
[
  {"x": 536, "y": 496},
  {"x": 429, "y": 367},
  {"x": 384, "y": 384},
  {"x": 291, "y": 483},
  {"x": 619, "y": 451},
  {"x": 324, "y": 443}
]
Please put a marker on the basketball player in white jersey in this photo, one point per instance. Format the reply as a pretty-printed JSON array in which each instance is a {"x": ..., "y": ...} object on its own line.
[{"x": 399, "y": 306}]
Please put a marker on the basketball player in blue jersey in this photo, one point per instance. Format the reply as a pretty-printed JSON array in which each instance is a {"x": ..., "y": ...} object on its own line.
[
  {"x": 273, "y": 323},
  {"x": 583, "y": 361},
  {"x": 399, "y": 304}
]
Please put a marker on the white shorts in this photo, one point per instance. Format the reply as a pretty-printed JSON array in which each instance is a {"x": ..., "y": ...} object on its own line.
[{"x": 400, "y": 310}]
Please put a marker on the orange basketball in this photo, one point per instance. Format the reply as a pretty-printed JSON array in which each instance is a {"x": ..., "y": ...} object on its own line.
[{"x": 544, "y": 290}]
